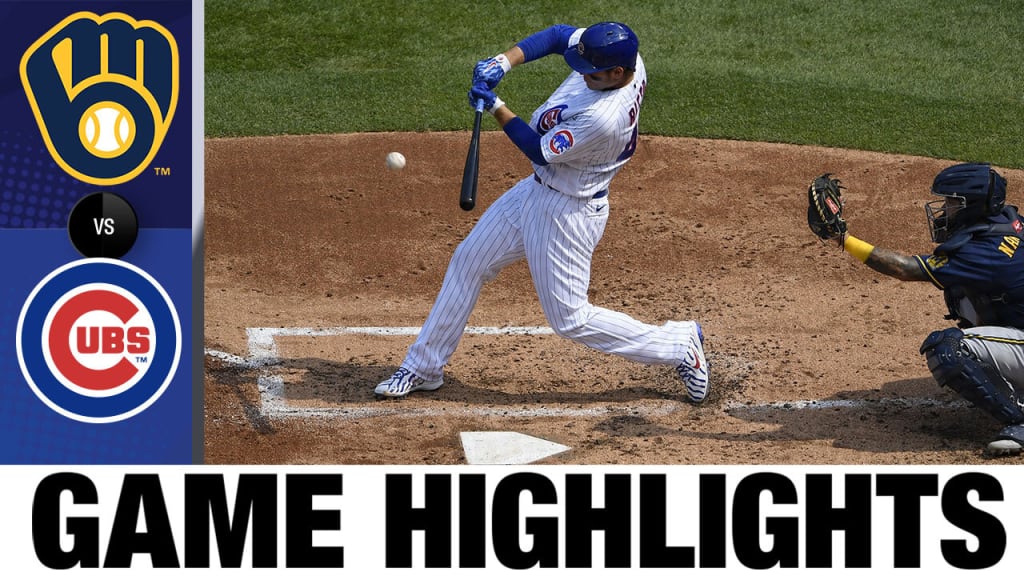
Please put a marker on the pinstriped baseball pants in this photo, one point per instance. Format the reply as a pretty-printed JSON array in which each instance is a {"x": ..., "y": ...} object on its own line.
[{"x": 557, "y": 235}]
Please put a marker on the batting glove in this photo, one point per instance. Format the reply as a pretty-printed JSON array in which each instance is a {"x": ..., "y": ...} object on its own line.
[
  {"x": 482, "y": 92},
  {"x": 491, "y": 71}
]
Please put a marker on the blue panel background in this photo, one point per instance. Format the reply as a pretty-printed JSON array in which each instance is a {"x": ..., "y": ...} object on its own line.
[
  {"x": 31, "y": 182},
  {"x": 36, "y": 197}
]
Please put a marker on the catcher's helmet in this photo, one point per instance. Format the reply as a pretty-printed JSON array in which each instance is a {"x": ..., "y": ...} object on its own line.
[
  {"x": 971, "y": 192},
  {"x": 603, "y": 46}
]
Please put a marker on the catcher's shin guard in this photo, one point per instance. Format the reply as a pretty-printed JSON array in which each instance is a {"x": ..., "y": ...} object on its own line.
[{"x": 953, "y": 365}]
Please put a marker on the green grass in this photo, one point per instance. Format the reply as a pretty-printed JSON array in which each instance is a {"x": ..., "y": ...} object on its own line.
[{"x": 939, "y": 78}]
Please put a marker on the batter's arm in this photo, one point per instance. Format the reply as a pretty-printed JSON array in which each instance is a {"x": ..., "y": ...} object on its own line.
[
  {"x": 515, "y": 56},
  {"x": 524, "y": 137},
  {"x": 551, "y": 40},
  {"x": 520, "y": 133}
]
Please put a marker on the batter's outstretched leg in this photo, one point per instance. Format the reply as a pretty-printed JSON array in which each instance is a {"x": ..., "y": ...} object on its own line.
[
  {"x": 565, "y": 233},
  {"x": 494, "y": 243}
]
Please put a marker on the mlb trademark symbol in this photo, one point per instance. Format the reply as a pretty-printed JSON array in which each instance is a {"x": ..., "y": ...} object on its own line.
[{"x": 160, "y": 171}]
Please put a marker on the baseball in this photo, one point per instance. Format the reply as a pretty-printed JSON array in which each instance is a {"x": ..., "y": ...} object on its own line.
[
  {"x": 107, "y": 129},
  {"x": 395, "y": 161}
]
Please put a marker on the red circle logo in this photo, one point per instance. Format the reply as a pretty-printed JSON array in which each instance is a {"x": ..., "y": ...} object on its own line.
[{"x": 98, "y": 340}]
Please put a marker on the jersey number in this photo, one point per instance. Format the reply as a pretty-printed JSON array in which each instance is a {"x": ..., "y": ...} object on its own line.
[{"x": 631, "y": 146}]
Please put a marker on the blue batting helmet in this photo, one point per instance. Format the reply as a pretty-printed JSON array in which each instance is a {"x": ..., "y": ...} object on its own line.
[
  {"x": 603, "y": 46},
  {"x": 970, "y": 193}
]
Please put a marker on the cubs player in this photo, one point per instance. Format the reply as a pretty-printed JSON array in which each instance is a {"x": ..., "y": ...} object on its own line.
[
  {"x": 577, "y": 141},
  {"x": 978, "y": 267}
]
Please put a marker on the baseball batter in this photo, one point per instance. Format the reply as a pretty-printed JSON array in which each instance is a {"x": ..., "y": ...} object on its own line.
[
  {"x": 577, "y": 141},
  {"x": 980, "y": 270}
]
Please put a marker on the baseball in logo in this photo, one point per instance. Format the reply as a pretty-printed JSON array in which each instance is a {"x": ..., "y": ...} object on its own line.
[
  {"x": 103, "y": 90},
  {"x": 98, "y": 340},
  {"x": 561, "y": 141}
]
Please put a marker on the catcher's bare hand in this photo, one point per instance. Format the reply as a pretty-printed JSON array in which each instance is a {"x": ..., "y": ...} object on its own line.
[{"x": 825, "y": 209}]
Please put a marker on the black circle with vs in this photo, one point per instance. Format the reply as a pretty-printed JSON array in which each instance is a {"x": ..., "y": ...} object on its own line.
[{"x": 103, "y": 224}]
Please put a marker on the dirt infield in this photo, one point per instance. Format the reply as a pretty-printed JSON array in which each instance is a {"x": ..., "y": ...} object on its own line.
[{"x": 320, "y": 264}]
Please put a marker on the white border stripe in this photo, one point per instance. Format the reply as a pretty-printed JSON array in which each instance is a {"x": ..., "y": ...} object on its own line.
[
  {"x": 832, "y": 404},
  {"x": 392, "y": 331},
  {"x": 393, "y": 409},
  {"x": 263, "y": 355}
]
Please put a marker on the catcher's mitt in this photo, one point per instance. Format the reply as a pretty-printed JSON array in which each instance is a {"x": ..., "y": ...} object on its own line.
[{"x": 825, "y": 210}]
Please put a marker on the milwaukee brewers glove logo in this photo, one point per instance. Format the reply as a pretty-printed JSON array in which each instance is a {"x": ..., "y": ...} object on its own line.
[
  {"x": 103, "y": 90},
  {"x": 98, "y": 340}
]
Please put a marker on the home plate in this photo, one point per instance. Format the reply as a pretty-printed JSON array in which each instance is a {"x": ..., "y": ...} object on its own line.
[{"x": 506, "y": 448}]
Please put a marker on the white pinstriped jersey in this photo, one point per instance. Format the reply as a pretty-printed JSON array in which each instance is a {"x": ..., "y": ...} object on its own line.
[{"x": 588, "y": 135}]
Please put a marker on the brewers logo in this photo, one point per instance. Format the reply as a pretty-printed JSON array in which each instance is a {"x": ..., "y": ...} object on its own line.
[
  {"x": 98, "y": 340},
  {"x": 103, "y": 90}
]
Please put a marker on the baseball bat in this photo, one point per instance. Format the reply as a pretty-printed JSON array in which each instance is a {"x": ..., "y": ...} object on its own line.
[{"x": 467, "y": 198}]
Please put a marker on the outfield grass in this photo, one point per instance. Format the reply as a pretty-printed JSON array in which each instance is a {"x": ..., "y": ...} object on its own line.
[{"x": 939, "y": 78}]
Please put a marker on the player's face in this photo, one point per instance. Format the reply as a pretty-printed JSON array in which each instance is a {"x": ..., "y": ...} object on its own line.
[
  {"x": 953, "y": 205},
  {"x": 606, "y": 79}
]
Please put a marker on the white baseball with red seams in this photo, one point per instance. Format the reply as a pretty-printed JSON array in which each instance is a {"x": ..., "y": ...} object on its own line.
[{"x": 395, "y": 161}]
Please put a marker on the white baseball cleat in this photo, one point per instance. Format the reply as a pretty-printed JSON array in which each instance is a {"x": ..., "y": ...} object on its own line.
[
  {"x": 1009, "y": 442},
  {"x": 402, "y": 382},
  {"x": 1004, "y": 447},
  {"x": 693, "y": 370}
]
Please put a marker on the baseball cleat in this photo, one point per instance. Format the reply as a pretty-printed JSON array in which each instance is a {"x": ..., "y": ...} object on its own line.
[
  {"x": 693, "y": 370},
  {"x": 1009, "y": 442},
  {"x": 402, "y": 382},
  {"x": 1003, "y": 447}
]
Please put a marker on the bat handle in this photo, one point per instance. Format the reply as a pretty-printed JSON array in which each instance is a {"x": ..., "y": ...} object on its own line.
[{"x": 480, "y": 105}]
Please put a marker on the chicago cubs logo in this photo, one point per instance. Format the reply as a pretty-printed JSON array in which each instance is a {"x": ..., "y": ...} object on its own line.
[
  {"x": 561, "y": 141},
  {"x": 103, "y": 90},
  {"x": 98, "y": 340},
  {"x": 550, "y": 118}
]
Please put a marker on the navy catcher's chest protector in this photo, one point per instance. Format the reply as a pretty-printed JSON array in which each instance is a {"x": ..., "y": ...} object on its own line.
[{"x": 984, "y": 269}]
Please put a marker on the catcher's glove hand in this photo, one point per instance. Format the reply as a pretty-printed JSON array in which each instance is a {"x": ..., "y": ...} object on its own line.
[{"x": 825, "y": 210}]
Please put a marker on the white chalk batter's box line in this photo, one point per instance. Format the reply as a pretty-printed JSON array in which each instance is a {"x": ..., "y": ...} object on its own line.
[{"x": 264, "y": 356}]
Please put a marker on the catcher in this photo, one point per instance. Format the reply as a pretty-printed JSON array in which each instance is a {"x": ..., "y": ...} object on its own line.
[{"x": 981, "y": 274}]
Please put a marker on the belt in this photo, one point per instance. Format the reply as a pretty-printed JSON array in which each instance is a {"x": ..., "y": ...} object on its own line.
[{"x": 600, "y": 194}]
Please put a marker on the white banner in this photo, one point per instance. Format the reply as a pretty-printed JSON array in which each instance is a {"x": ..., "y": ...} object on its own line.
[{"x": 493, "y": 519}]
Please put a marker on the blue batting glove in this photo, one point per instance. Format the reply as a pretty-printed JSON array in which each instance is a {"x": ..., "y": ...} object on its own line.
[
  {"x": 482, "y": 92},
  {"x": 491, "y": 71}
]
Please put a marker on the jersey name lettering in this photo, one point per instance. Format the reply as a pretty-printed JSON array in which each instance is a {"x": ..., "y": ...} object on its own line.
[{"x": 1009, "y": 245}]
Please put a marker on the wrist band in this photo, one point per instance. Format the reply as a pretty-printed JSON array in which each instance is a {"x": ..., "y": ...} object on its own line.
[
  {"x": 857, "y": 248},
  {"x": 498, "y": 103},
  {"x": 502, "y": 60}
]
